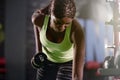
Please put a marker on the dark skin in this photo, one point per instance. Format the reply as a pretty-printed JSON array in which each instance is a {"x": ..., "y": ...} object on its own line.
[{"x": 76, "y": 37}]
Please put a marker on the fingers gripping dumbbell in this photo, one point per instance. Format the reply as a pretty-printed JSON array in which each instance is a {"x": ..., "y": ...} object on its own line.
[{"x": 38, "y": 60}]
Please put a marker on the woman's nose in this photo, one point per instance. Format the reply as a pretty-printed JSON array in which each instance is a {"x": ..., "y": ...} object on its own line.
[{"x": 63, "y": 26}]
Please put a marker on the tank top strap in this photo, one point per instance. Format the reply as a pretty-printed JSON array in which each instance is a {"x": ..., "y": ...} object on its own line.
[{"x": 46, "y": 20}]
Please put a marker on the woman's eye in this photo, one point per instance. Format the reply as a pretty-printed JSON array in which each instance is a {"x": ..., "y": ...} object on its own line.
[
  {"x": 60, "y": 23},
  {"x": 67, "y": 23},
  {"x": 57, "y": 23}
]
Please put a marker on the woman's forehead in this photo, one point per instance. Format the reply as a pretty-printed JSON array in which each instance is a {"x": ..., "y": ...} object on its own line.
[{"x": 64, "y": 19}]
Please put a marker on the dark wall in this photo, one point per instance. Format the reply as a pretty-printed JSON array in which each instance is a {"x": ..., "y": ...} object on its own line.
[
  {"x": 2, "y": 17},
  {"x": 15, "y": 39}
]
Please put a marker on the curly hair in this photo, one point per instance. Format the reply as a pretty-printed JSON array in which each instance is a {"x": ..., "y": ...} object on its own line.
[{"x": 63, "y": 8}]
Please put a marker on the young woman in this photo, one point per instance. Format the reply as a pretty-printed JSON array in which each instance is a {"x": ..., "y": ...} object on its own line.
[{"x": 60, "y": 40}]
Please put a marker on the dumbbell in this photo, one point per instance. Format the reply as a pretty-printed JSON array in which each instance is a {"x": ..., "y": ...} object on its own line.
[{"x": 38, "y": 60}]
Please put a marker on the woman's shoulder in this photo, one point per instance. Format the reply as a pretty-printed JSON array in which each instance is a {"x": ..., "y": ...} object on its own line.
[
  {"x": 39, "y": 15},
  {"x": 76, "y": 25}
]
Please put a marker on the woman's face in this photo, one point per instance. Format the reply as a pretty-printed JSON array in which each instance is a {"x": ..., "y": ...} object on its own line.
[{"x": 59, "y": 25}]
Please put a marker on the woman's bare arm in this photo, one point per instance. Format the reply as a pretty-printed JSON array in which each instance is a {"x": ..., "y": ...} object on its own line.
[{"x": 78, "y": 38}]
